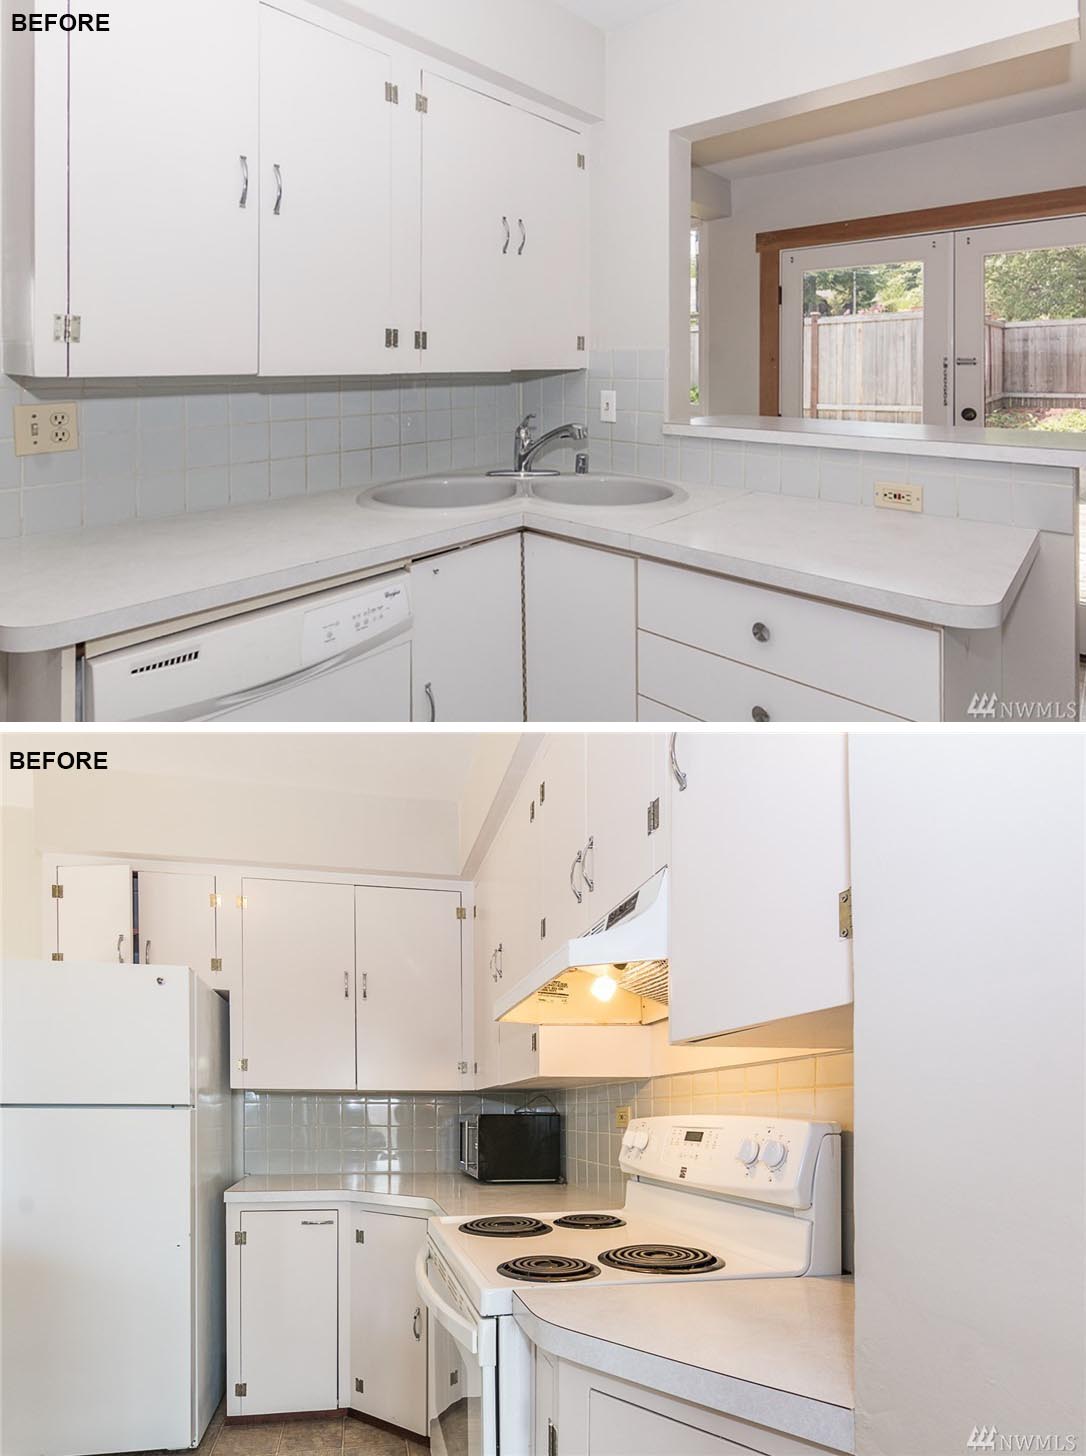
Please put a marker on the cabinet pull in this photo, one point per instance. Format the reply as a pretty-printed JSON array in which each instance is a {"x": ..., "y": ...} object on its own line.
[
  {"x": 760, "y": 632},
  {"x": 278, "y": 188},
  {"x": 759, "y": 715},
  {"x": 120, "y": 942},
  {"x": 589, "y": 849},
  {"x": 579, "y": 860},
  {"x": 365, "y": 986},
  {"x": 508, "y": 235},
  {"x": 146, "y": 952},
  {"x": 243, "y": 200},
  {"x": 428, "y": 689},
  {"x": 523, "y": 236},
  {"x": 316, "y": 1222},
  {"x": 416, "y": 1323},
  {"x": 680, "y": 777},
  {"x": 498, "y": 955},
  {"x": 346, "y": 985}
]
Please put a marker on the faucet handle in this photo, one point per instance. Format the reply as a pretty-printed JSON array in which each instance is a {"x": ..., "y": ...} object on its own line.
[{"x": 525, "y": 426}]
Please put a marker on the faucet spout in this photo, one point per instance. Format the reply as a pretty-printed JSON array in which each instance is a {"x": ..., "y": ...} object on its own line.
[{"x": 526, "y": 448}]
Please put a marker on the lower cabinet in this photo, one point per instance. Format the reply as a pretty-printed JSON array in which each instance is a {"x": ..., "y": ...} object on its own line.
[
  {"x": 323, "y": 1314},
  {"x": 287, "y": 1272}
]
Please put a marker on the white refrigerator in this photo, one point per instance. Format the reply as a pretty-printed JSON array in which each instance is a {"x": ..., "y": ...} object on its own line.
[{"x": 115, "y": 1151}]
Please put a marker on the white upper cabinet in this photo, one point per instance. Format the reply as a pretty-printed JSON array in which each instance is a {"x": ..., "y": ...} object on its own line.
[
  {"x": 325, "y": 200},
  {"x": 161, "y": 252},
  {"x": 177, "y": 921},
  {"x": 298, "y": 974},
  {"x": 759, "y": 860},
  {"x": 93, "y": 906},
  {"x": 409, "y": 991},
  {"x": 562, "y": 817},
  {"x": 622, "y": 789}
]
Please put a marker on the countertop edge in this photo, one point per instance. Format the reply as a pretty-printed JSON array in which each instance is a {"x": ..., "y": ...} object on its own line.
[
  {"x": 426, "y": 1207},
  {"x": 805, "y": 1417}
]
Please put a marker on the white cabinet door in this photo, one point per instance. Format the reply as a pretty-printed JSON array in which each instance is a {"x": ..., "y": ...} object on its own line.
[
  {"x": 467, "y": 231},
  {"x": 581, "y": 663},
  {"x": 467, "y": 660},
  {"x": 325, "y": 201},
  {"x": 410, "y": 1035},
  {"x": 549, "y": 315},
  {"x": 561, "y": 812},
  {"x": 177, "y": 922},
  {"x": 163, "y": 123},
  {"x": 486, "y": 946},
  {"x": 289, "y": 1274},
  {"x": 621, "y": 789},
  {"x": 759, "y": 856},
  {"x": 388, "y": 1321},
  {"x": 518, "y": 861},
  {"x": 94, "y": 912},
  {"x": 618, "y": 1428},
  {"x": 297, "y": 985}
]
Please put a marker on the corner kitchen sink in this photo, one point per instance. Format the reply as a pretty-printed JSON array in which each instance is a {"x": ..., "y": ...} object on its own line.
[
  {"x": 604, "y": 490},
  {"x": 441, "y": 493}
]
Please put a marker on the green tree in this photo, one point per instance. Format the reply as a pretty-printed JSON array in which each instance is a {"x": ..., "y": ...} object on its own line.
[
  {"x": 883, "y": 287},
  {"x": 1037, "y": 283}
]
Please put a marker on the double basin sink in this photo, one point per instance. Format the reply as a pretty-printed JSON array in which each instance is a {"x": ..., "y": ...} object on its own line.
[{"x": 462, "y": 492}]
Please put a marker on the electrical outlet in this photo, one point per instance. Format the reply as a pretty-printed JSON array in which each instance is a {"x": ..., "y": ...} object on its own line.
[
  {"x": 622, "y": 1117},
  {"x": 609, "y": 406},
  {"x": 41, "y": 429},
  {"x": 899, "y": 497}
]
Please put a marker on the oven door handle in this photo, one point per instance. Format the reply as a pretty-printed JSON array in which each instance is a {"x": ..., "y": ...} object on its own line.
[{"x": 464, "y": 1331}]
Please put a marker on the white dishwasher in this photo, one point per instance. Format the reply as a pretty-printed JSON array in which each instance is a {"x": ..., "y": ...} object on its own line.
[{"x": 339, "y": 656}]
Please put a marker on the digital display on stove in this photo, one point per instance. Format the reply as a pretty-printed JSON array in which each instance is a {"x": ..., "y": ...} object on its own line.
[{"x": 693, "y": 1137}]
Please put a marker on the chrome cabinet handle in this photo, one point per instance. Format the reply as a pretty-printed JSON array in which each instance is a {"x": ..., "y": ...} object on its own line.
[
  {"x": 760, "y": 632},
  {"x": 146, "y": 952},
  {"x": 243, "y": 200},
  {"x": 278, "y": 188},
  {"x": 365, "y": 986},
  {"x": 120, "y": 942},
  {"x": 498, "y": 957},
  {"x": 416, "y": 1323},
  {"x": 346, "y": 986},
  {"x": 508, "y": 235},
  {"x": 680, "y": 777},
  {"x": 759, "y": 715},
  {"x": 589, "y": 849},
  {"x": 428, "y": 689},
  {"x": 578, "y": 860},
  {"x": 523, "y": 236}
]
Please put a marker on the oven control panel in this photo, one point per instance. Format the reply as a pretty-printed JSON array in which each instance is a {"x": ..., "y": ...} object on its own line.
[{"x": 769, "y": 1160}]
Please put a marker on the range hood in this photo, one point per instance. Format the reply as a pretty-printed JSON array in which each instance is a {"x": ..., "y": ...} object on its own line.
[{"x": 616, "y": 974}]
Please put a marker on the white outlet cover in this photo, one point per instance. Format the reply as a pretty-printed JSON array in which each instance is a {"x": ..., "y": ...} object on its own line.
[{"x": 609, "y": 406}]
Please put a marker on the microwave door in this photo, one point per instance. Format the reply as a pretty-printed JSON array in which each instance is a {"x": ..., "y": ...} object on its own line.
[{"x": 462, "y": 1375}]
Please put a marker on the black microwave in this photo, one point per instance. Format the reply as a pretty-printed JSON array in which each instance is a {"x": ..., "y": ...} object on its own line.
[{"x": 512, "y": 1147}]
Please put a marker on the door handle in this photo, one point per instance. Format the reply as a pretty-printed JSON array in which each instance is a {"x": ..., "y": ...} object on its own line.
[
  {"x": 680, "y": 777},
  {"x": 523, "y": 236},
  {"x": 243, "y": 200},
  {"x": 578, "y": 860},
  {"x": 416, "y": 1323},
  {"x": 278, "y": 188},
  {"x": 589, "y": 849},
  {"x": 428, "y": 689}
]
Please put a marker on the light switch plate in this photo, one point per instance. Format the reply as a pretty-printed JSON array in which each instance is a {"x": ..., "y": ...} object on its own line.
[
  {"x": 609, "y": 406},
  {"x": 44, "y": 429},
  {"x": 899, "y": 497},
  {"x": 622, "y": 1117}
]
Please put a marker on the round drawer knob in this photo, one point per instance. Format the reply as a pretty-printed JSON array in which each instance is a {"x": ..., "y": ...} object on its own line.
[
  {"x": 759, "y": 715},
  {"x": 760, "y": 632}
]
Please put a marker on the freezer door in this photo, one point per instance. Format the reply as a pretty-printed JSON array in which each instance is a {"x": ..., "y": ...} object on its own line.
[
  {"x": 96, "y": 1271},
  {"x": 79, "y": 1032}
]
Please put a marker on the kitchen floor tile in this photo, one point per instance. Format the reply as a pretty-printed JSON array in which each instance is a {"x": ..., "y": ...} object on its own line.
[
  {"x": 308, "y": 1438},
  {"x": 255, "y": 1440},
  {"x": 362, "y": 1439}
]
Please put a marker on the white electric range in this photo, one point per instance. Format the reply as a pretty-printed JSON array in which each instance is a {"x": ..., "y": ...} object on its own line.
[{"x": 709, "y": 1198}]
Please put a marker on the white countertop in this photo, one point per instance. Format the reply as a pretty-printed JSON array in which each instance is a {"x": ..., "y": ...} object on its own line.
[
  {"x": 430, "y": 1193},
  {"x": 778, "y": 1352},
  {"x": 61, "y": 589},
  {"x": 961, "y": 442}
]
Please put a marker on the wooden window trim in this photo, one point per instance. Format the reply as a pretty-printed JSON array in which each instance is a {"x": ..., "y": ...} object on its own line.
[{"x": 990, "y": 212}]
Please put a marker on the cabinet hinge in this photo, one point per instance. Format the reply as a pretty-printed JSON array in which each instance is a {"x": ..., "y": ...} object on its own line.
[
  {"x": 58, "y": 892},
  {"x": 582, "y": 162},
  {"x": 242, "y": 902},
  {"x": 531, "y": 812},
  {"x": 241, "y": 1388},
  {"x": 421, "y": 339},
  {"x": 535, "y": 1041},
  {"x": 216, "y": 963},
  {"x": 580, "y": 343},
  {"x": 243, "y": 1065},
  {"x": 543, "y": 928},
  {"x": 474, "y": 912},
  {"x": 844, "y": 914},
  {"x": 461, "y": 913},
  {"x": 542, "y": 793},
  {"x": 360, "y": 1236},
  {"x": 392, "y": 93},
  {"x": 422, "y": 103},
  {"x": 552, "y": 1439},
  {"x": 653, "y": 817},
  {"x": 780, "y": 295},
  {"x": 359, "y": 1385},
  {"x": 215, "y": 901},
  {"x": 58, "y": 955},
  {"x": 67, "y": 328},
  {"x": 475, "y": 1067},
  {"x": 241, "y": 1237},
  {"x": 462, "y": 1068},
  {"x": 392, "y": 338}
]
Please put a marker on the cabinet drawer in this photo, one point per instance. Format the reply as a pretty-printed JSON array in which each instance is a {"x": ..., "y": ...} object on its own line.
[
  {"x": 887, "y": 664},
  {"x": 700, "y": 685}
]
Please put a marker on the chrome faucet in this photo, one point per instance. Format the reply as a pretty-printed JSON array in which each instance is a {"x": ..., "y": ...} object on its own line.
[{"x": 525, "y": 447}]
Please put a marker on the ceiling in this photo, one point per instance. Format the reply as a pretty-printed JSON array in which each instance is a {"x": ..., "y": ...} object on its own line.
[
  {"x": 610, "y": 14},
  {"x": 405, "y": 765}
]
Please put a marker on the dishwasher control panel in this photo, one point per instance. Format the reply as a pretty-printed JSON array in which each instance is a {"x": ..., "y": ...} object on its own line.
[{"x": 363, "y": 617}]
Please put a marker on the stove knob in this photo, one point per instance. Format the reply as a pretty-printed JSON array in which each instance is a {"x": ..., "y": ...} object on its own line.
[
  {"x": 749, "y": 1149},
  {"x": 774, "y": 1153},
  {"x": 641, "y": 1139}
]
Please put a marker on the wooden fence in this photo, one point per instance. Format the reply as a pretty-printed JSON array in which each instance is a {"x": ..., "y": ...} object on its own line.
[{"x": 870, "y": 366}]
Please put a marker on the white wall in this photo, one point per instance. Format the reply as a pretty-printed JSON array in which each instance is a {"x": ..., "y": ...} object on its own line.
[
  {"x": 491, "y": 764},
  {"x": 1026, "y": 157},
  {"x": 20, "y": 880},
  {"x": 968, "y": 882},
  {"x": 698, "y": 60}
]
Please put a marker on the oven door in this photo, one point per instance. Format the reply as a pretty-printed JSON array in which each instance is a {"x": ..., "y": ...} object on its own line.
[{"x": 463, "y": 1387}]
